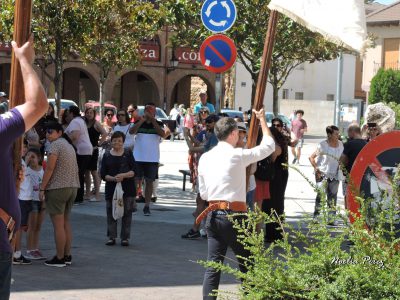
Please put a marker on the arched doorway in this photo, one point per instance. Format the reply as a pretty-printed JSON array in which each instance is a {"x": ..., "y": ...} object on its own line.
[
  {"x": 186, "y": 91},
  {"x": 79, "y": 86},
  {"x": 135, "y": 88},
  {"x": 5, "y": 72}
]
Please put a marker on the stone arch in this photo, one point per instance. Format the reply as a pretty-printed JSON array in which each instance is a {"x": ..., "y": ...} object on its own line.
[
  {"x": 183, "y": 92},
  {"x": 134, "y": 87},
  {"x": 79, "y": 85}
]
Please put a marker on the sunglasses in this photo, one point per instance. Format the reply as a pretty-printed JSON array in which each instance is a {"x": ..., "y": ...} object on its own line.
[
  {"x": 277, "y": 125},
  {"x": 110, "y": 115},
  {"x": 50, "y": 131},
  {"x": 130, "y": 111},
  {"x": 204, "y": 112},
  {"x": 121, "y": 115}
]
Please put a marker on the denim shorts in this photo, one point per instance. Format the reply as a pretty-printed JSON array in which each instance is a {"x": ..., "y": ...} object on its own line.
[
  {"x": 36, "y": 206},
  {"x": 146, "y": 170},
  {"x": 26, "y": 208}
]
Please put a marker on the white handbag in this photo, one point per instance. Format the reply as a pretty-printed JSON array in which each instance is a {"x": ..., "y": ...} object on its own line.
[{"x": 118, "y": 202}]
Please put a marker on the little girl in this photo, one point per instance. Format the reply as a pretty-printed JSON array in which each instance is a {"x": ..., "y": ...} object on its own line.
[{"x": 36, "y": 217}]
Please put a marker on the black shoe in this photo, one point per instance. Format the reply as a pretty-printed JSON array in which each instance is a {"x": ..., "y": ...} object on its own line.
[
  {"x": 55, "y": 262},
  {"x": 140, "y": 199},
  {"x": 21, "y": 261},
  {"x": 153, "y": 199},
  {"x": 125, "y": 243},
  {"x": 68, "y": 260},
  {"x": 191, "y": 234},
  {"x": 110, "y": 242},
  {"x": 146, "y": 211},
  {"x": 294, "y": 161}
]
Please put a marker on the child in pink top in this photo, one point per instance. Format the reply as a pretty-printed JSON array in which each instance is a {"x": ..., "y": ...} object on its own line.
[{"x": 188, "y": 121}]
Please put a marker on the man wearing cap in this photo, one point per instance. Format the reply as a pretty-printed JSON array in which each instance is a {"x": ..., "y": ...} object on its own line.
[
  {"x": 12, "y": 125},
  {"x": 222, "y": 182},
  {"x": 203, "y": 103}
]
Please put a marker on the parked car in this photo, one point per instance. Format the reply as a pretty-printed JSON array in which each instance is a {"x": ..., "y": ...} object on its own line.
[
  {"x": 161, "y": 116},
  {"x": 96, "y": 106},
  {"x": 232, "y": 113},
  {"x": 64, "y": 103},
  {"x": 270, "y": 115}
]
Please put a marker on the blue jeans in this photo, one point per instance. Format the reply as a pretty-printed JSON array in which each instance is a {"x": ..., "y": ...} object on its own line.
[
  {"x": 250, "y": 199},
  {"x": 5, "y": 275}
]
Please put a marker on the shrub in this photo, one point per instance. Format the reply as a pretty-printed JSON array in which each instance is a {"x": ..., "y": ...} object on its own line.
[
  {"x": 315, "y": 262},
  {"x": 385, "y": 87}
]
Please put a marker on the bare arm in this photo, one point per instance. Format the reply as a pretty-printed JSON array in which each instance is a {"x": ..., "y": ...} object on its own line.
[
  {"x": 35, "y": 105},
  {"x": 135, "y": 128},
  {"x": 103, "y": 132}
]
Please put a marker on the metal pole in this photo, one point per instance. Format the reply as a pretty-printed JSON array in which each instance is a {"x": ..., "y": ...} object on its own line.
[
  {"x": 338, "y": 90},
  {"x": 218, "y": 92}
]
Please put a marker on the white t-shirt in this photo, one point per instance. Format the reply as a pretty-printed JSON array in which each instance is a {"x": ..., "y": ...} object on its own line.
[
  {"x": 147, "y": 143},
  {"x": 25, "y": 190},
  {"x": 82, "y": 144},
  {"x": 328, "y": 159},
  {"x": 36, "y": 179},
  {"x": 129, "y": 138}
]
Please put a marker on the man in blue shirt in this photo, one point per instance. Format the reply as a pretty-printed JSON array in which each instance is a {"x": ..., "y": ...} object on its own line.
[
  {"x": 12, "y": 125},
  {"x": 203, "y": 103}
]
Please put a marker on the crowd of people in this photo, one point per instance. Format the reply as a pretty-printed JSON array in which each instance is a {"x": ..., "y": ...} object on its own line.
[{"x": 61, "y": 156}]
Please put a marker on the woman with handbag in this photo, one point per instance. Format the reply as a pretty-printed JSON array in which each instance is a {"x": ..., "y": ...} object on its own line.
[{"x": 118, "y": 167}]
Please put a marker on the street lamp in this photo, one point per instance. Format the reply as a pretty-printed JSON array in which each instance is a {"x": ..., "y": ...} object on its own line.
[{"x": 173, "y": 62}]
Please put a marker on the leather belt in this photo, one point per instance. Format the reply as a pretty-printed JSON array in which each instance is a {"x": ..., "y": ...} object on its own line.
[
  {"x": 9, "y": 222},
  {"x": 235, "y": 206}
]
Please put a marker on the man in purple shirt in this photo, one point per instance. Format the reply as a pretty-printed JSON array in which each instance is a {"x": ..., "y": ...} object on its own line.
[{"x": 12, "y": 125}]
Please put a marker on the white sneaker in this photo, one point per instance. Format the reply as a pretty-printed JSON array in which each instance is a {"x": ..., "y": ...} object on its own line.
[{"x": 203, "y": 232}]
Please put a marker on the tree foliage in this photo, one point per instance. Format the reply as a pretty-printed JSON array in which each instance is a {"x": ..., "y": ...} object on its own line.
[
  {"x": 112, "y": 39},
  {"x": 294, "y": 44},
  {"x": 385, "y": 87}
]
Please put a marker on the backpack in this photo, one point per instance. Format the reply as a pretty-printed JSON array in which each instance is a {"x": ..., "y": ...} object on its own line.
[{"x": 265, "y": 169}]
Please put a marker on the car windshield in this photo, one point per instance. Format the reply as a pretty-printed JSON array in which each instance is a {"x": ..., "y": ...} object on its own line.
[
  {"x": 233, "y": 114},
  {"x": 269, "y": 117},
  {"x": 160, "y": 114},
  {"x": 284, "y": 118},
  {"x": 64, "y": 104}
]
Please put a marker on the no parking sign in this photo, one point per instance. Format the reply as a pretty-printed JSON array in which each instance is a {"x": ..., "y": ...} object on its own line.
[
  {"x": 218, "y": 53},
  {"x": 376, "y": 163}
]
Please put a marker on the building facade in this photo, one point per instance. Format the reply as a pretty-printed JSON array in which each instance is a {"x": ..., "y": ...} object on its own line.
[
  {"x": 384, "y": 26},
  {"x": 164, "y": 77}
]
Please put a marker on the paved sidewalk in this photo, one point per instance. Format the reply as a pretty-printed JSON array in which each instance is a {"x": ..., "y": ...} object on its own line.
[{"x": 158, "y": 264}]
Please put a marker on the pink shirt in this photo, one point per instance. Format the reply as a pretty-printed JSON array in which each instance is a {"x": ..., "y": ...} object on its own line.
[
  {"x": 297, "y": 125},
  {"x": 188, "y": 121}
]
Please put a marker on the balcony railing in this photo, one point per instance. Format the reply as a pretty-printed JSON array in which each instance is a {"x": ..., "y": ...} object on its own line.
[{"x": 386, "y": 66}]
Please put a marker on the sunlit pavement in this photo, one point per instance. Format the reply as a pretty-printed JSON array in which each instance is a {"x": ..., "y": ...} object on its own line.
[{"x": 158, "y": 264}]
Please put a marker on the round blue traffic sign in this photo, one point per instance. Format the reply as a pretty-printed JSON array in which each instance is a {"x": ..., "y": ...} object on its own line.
[
  {"x": 218, "y": 53},
  {"x": 218, "y": 15}
]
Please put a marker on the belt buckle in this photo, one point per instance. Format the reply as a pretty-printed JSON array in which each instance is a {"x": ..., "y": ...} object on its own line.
[{"x": 225, "y": 205}]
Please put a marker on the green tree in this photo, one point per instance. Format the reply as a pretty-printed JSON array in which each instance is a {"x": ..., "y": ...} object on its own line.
[
  {"x": 294, "y": 44},
  {"x": 385, "y": 87},
  {"x": 112, "y": 38},
  {"x": 58, "y": 27}
]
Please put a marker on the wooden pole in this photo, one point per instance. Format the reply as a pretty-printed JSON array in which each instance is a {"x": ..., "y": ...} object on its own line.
[
  {"x": 263, "y": 76},
  {"x": 22, "y": 21}
]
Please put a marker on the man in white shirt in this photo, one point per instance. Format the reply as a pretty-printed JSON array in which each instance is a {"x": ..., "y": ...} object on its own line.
[{"x": 222, "y": 182}]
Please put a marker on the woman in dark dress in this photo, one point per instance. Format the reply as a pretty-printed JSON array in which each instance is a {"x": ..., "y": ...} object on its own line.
[
  {"x": 95, "y": 131},
  {"x": 275, "y": 205},
  {"x": 118, "y": 166}
]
